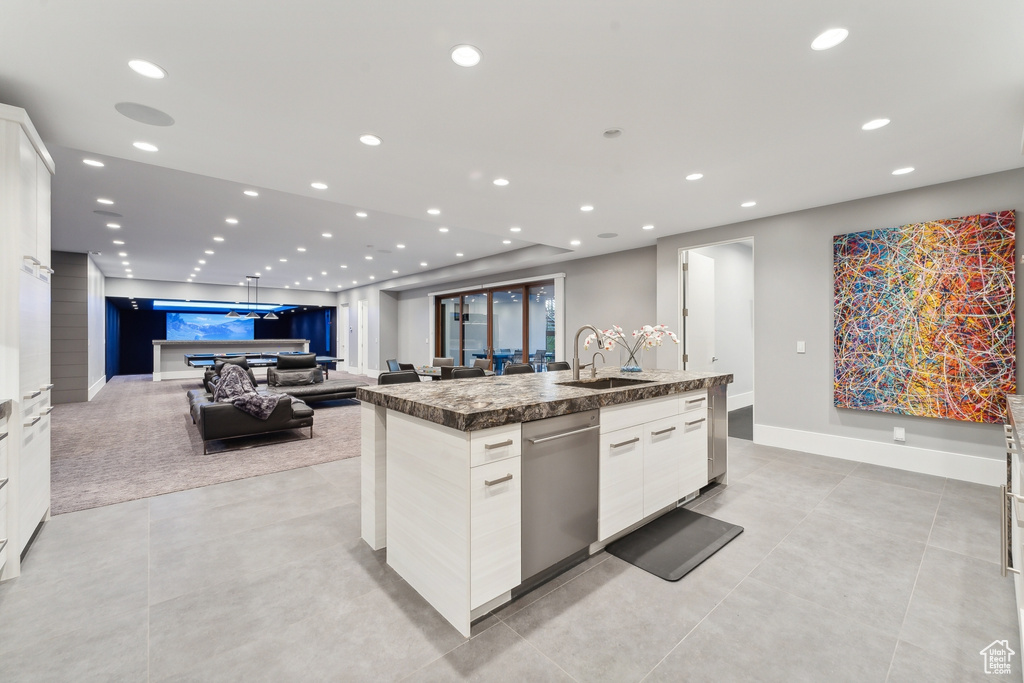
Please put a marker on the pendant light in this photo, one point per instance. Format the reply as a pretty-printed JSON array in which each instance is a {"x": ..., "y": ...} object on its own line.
[
  {"x": 268, "y": 316},
  {"x": 252, "y": 315}
]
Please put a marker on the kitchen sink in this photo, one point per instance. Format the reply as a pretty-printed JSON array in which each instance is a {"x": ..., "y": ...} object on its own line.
[{"x": 605, "y": 383}]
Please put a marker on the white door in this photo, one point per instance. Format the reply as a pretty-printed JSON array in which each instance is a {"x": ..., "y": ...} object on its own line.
[
  {"x": 364, "y": 334},
  {"x": 698, "y": 296},
  {"x": 343, "y": 331}
]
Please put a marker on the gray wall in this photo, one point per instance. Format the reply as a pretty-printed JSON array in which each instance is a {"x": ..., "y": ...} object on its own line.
[
  {"x": 734, "y": 320},
  {"x": 793, "y": 301},
  {"x": 69, "y": 327}
]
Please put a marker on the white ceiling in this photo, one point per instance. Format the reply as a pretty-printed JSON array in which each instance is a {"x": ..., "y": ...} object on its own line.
[{"x": 273, "y": 96}]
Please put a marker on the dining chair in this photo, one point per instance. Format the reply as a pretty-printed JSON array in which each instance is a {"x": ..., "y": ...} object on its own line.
[
  {"x": 406, "y": 366},
  {"x": 484, "y": 363},
  {"x": 447, "y": 370},
  {"x": 441, "y": 362},
  {"x": 400, "y": 377},
  {"x": 540, "y": 357},
  {"x": 555, "y": 365},
  {"x": 392, "y": 365},
  {"x": 465, "y": 373},
  {"x": 518, "y": 368}
]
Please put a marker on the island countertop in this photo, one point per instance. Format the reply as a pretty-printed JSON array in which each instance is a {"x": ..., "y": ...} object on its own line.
[{"x": 485, "y": 402}]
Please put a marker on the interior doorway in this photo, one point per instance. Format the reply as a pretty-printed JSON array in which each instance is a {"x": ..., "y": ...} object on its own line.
[{"x": 717, "y": 321}]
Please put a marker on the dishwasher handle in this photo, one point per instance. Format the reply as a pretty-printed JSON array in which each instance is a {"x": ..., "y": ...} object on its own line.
[{"x": 574, "y": 432}]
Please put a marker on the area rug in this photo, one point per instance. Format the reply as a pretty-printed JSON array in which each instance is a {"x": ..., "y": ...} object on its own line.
[{"x": 136, "y": 439}]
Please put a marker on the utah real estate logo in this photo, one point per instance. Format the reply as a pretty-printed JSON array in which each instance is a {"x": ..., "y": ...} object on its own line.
[{"x": 997, "y": 656}]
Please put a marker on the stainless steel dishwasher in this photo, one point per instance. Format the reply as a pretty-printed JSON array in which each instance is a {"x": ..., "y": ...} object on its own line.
[{"x": 559, "y": 494}]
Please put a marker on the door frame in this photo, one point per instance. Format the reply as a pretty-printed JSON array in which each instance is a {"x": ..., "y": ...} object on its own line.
[{"x": 362, "y": 334}]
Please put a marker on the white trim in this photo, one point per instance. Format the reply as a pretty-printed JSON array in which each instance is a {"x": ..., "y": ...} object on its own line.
[
  {"x": 973, "y": 468},
  {"x": 504, "y": 283},
  {"x": 740, "y": 400},
  {"x": 96, "y": 386}
]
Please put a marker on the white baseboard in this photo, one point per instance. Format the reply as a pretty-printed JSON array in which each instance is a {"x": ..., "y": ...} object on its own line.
[
  {"x": 95, "y": 388},
  {"x": 973, "y": 468},
  {"x": 741, "y": 400}
]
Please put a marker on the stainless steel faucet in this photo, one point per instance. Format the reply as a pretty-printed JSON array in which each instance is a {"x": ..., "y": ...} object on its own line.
[
  {"x": 593, "y": 363},
  {"x": 576, "y": 367}
]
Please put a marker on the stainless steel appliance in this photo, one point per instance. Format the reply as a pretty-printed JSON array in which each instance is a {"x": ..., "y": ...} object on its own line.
[
  {"x": 718, "y": 434},
  {"x": 559, "y": 499}
]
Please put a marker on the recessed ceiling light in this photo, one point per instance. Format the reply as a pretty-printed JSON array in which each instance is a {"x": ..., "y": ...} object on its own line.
[
  {"x": 361, "y": 214},
  {"x": 903, "y": 171},
  {"x": 343, "y": 266},
  {"x": 130, "y": 275},
  {"x": 829, "y": 39},
  {"x": 145, "y": 146},
  {"x": 218, "y": 239},
  {"x": 266, "y": 268},
  {"x": 114, "y": 226},
  {"x": 373, "y": 277},
  {"x": 459, "y": 254},
  {"x": 127, "y": 270},
  {"x": 326, "y": 234},
  {"x": 355, "y": 282},
  {"x": 232, "y": 221},
  {"x": 648, "y": 227},
  {"x": 318, "y": 186},
  {"x": 368, "y": 139},
  {"x": 92, "y": 162},
  {"x": 515, "y": 229},
  {"x": 202, "y": 262},
  {"x": 586, "y": 207},
  {"x": 695, "y": 176},
  {"x": 309, "y": 277},
  {"x": 501, "y": 182},
  {"x": 300, "y": 249},
  {"x": 747, "y": 205},
  {"x": 506, "y": 241},
  {"x": 875, "y": 124},
  {"x": 395, "y": 272},
  {"x": 118, "y": 241},
  {"x": 575, "y": 243},
  {"x": 423, "y": 263},
  {"x": 147, "y": 69},
  {"x": 434, "y": 212},
  {"x": 251, "y": 193},
  {"x": 442, "y": 229},
  {"x": 368, "y": 258},
  {"x": 296, "y": 282},
  {"x": 197, "y": 269},
  {"x": 125, "y": 263},
  {"x": 209, "y": 251},
  {"x": 256, "y": 274},
  {"x": 283, "y": 260},
  {"x": 400, "y": 246},
  {"x": 323, "y": 272},
  {"x": 101, "y": 200},
  {"x": 466, "y": 55},
  {"x": 287, "y": 286},
  {"x": 122, "y": 253}
]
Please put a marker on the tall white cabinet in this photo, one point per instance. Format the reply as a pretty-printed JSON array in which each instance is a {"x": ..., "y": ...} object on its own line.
[{"x": 25, "y": 172}]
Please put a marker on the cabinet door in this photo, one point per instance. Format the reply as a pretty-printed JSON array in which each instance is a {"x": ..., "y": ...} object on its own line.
[
  {"x": 42, "y": 186},
  {"x": 693, "y": 462},
  {"x": 496, "y": 530},
  {"x": 621, "y": 500},
  {"x": 663, "y": 453},
  {"x": 28, "y": 201}
]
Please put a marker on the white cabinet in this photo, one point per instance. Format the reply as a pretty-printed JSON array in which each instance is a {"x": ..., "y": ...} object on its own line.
[
  {"x": 495, "y": 491},
  {"x": 653, "y": 453}
]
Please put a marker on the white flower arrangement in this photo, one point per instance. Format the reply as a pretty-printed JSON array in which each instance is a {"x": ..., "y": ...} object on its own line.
[{"x": 647, "y": 337}]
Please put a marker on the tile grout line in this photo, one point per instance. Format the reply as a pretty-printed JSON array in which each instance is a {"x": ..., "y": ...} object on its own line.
[{"x": 917, "y": 577}]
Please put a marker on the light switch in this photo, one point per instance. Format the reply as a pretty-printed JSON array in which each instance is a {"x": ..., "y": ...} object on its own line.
[
  {"x": 899, "y": 434},
  {"x": 801, "y": 347}
]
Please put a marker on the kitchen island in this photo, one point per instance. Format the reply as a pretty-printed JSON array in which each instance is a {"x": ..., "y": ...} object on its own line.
[{"x": 442, "y": 464}]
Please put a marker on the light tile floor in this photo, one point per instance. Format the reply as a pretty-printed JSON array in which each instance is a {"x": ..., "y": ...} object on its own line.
[{"x": 845, "y": 572}]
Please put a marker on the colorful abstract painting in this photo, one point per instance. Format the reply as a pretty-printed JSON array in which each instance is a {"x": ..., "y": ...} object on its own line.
[{"x": 924, "y": 318}]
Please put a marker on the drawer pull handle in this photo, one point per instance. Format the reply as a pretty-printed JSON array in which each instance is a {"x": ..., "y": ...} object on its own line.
[
  {"x": 695, "y": 422},
  {"x": 564, "y": 434},
  {"x": 32, "y": 395},
  {"x": 46, "y": 411},
  {"x": 3, "y": 544},
  {"x": 507, "y": 477},
  {"x": 3, "y": 435},
  {"x": 695, "y": 400},
  {"x": 46, "y": 387},
  {"x": 33, "y": 259},
  {"x": 3, "y": 483},
  {"x": 663, "y": 431},
  {"x": 489, "y": 446},
  {"x": 626, "y": 443},
  {"x": 35, "y": 418}
]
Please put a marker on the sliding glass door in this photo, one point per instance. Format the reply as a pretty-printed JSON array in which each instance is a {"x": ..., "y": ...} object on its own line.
[{"x": 513, "y": 324}]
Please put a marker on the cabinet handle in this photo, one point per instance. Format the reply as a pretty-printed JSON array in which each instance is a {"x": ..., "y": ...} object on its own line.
[
  {"x": 46, "y": 387},
  {"x": 489, "y": 446},
  {"x": 507, "y": 477},
  {"x": 3, "y": 483},
  {"x": 626, "y": 443},
  {"x": 46, "y": 411},
  {"x": 3, "y": 435},
  {"x": 663, "y": 431},
  {"x": 695, "y": 422},
  {"x": 33, "y": 259},
  {"x": 3, "y": 544},
  {"x": 565, "y": 434},
  {"x": 35, "y": 418},
  {"x": 32, "y": 395},
  {"x": 695, "y": 400}
]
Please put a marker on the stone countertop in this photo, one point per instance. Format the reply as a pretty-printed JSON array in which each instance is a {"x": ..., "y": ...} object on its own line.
[
  {"x": 484, "y": 402},
  {"x": 238, "y": 342}
]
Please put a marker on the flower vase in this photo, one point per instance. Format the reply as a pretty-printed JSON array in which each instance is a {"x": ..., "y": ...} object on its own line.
[{"x": 632, "y": 361}]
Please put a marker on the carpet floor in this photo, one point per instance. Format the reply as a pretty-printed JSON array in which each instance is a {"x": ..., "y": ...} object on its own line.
[{"x": 135, "y": 439}]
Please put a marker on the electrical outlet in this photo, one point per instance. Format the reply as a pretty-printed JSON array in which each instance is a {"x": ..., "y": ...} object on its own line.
[
  {"x": 899, "y": 434},
  {"x": 801, "y": 347}
]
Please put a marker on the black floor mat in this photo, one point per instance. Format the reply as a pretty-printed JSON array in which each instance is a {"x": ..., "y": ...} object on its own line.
[
  {"x": 741, "y": 423},
  {"x": 674, "y": 544}
]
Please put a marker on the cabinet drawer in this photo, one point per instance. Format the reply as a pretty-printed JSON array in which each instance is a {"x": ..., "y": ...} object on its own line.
[
  {"x": 496, "y": 529},
  {"x": 693, "y": 400},
  {"x": 638, "y": 412},
  {"x": 621, "y": 471},
  {"x": 693, "y": 463},
  {"x": 497, "y": 443},
  {"x": 663, "y": 452}
]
